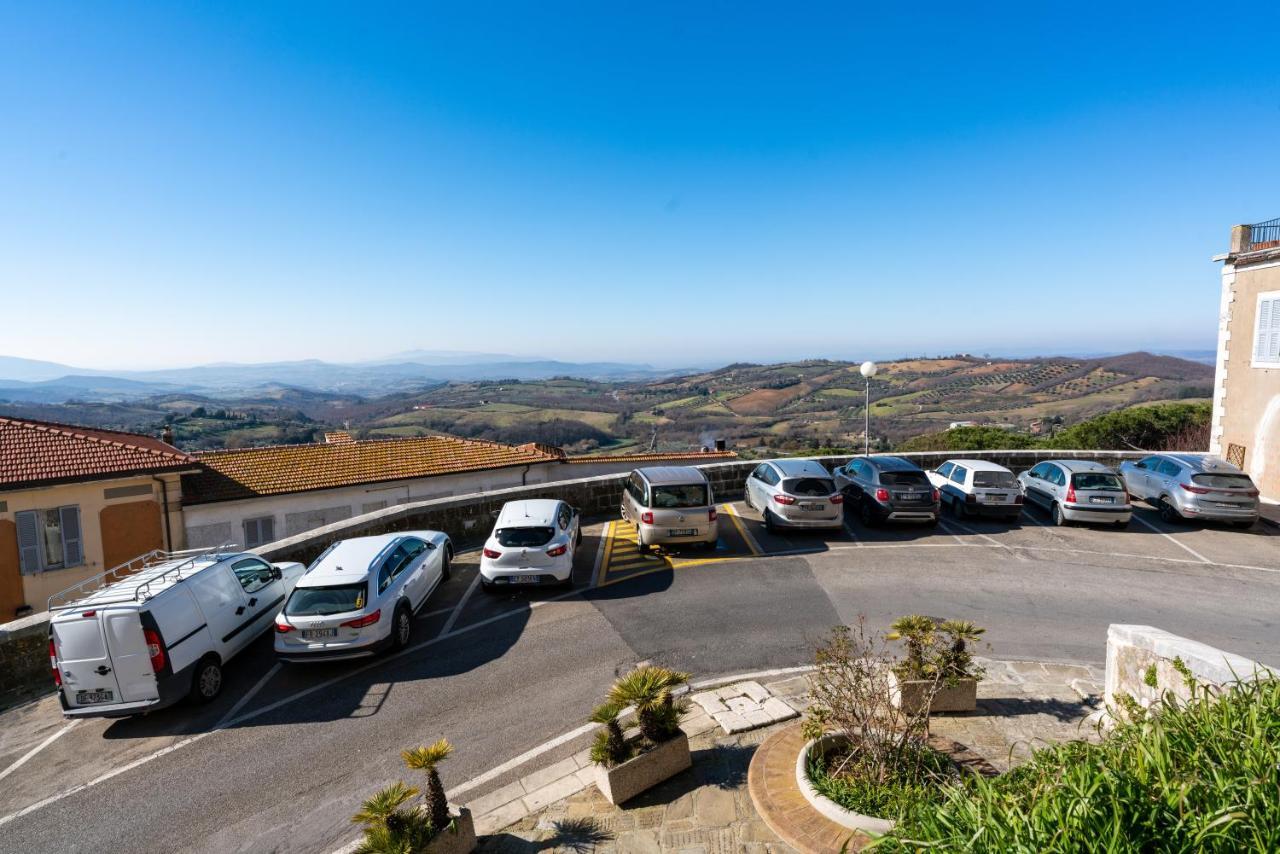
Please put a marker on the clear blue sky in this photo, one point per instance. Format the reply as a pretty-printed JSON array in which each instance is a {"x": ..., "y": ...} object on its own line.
[{"x": 670, "y": 183}]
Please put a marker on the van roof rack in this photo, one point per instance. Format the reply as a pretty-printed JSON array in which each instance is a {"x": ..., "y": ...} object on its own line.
[{"x": 183, "y": 560}]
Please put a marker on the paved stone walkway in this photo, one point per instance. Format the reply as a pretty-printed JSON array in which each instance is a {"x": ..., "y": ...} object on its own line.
[{"x": 708, "y": 809}]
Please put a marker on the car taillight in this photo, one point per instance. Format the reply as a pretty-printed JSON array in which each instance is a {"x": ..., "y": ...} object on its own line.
[
  {"x": 882, "y": 494},
  {"x": 711, "y": 515},
  {"x": 1071, "y": 494},
  {"x": 53, "y": 662},
  {"x": 557, "y": 551},
  {"x": 283, "y": 628},
  {"x": 1198, "y": 490},
  {"x": 361, "y": 622},
  {"x": 491, "y": 554},
  {"x": 155, "y": 649},
  {"x": 1252, "y": 493},
  {"x": 784, "y": 499},
  {"x": 646, "y": 518},
  {"x": 937, "y": 495},
  {"x": 836, "y": 499}
]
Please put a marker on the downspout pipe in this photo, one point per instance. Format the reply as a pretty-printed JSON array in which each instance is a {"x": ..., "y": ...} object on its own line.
[{"x": 164, "y": 501}]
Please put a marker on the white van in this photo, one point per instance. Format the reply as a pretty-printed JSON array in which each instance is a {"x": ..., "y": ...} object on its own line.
[{"x": 161, "y": 632}]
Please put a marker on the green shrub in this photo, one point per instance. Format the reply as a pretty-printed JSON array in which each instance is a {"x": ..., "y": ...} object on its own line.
[
  {"x": 917, "y": 779},
  {"x": 968, "y": 439},
  {"x": 1145, "y": 427},
  {"x": 1200, "y": 775}
]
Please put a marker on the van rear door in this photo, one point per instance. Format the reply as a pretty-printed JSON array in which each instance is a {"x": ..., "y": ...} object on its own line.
[
  {"x": 127, "y": 644},
  {"x": 88, "y": 674}
]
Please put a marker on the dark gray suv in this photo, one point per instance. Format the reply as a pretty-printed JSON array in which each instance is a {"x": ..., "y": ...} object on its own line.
[{"x": 888, "y": 489}]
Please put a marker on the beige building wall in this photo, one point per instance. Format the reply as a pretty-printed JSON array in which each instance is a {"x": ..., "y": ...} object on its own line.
[
  {"x": 1247, "y": 398},
  {"x": 134, "y": 506}
]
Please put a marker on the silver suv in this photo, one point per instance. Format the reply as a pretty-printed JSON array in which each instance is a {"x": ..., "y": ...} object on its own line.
[
  {"x": 670, "y": 505},
  {"x": 888, "y": 489},
  {"x": 1078, "y": 491},
  {"x": 795, "y": 494},
  {"x": 1193, "y": 486}
]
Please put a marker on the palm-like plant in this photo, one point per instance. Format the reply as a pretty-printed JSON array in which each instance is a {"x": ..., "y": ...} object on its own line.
[
  {"x": 648, "y": 689},
  {"x": 918, "y": 633},
  {"x": 957, "y": 660},
  {"x": 389, "y": 828},
  {"x": 427, "y": 759},
  {"x": 611, "y": 746}
]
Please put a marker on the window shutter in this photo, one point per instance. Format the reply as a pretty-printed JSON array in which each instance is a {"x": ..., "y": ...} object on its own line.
[
  {"x": 266, "y": 529},
  {"x": 250, "y": 533},
  {"x": 28, "y": 542},
  {"x": 1267, "y": 345},
  {"x": 72, "y": 554}
]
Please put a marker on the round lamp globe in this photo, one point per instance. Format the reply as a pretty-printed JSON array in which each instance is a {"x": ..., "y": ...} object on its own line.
[{"x": 868, "y": 369}]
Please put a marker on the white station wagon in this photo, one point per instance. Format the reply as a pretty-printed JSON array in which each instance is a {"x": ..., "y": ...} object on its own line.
[{"x": 360, "y": 595}]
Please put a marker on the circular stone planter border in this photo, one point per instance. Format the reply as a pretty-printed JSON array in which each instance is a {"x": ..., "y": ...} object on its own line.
[{"x": 827, "y": 807}]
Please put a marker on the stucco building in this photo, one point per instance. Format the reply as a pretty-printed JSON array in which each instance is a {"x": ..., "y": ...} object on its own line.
[
  {"x": 75, "y": 502},
  {"x": 1246, "y": 398}
]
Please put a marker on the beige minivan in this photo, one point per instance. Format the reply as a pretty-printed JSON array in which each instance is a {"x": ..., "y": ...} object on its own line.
[{"x": 670, "y": 505}]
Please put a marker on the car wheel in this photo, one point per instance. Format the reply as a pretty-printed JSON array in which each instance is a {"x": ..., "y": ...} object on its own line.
[
  {"x": 445, "y": 563},
  {"x": 401, "y": 628},
  {"x": 958, "y": 508},
  {"x": 641, "y": 545},
  {"x": 206, "y": 682},
  {"x": 770, "y": 523},
  {"x": 577, "y": 539},
  {"x": 1169, "y": 513},
  {"x": 1058, "y": 518}
]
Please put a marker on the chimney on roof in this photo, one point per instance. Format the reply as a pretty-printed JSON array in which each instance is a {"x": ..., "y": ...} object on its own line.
[
  {"x": 720, "y": 445},
  {"x": 166, "y": 435}
]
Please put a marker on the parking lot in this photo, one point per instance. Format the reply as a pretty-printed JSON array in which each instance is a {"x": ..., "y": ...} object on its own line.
[{"x": 287, "y": 752}]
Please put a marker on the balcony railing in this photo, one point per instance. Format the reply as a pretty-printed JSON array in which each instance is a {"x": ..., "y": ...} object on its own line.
[{"x": 1261, "y": 235}]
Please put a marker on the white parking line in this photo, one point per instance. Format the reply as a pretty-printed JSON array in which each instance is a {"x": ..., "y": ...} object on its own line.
[
  {"x": 989, "y": 539},
  {"x": 1177, "y": 543},
  {"x": 848, "y": 529},
  {"x": 26, "y": 757},
  {"x": 253, "y": 692},
  {"x": 462, "y": 603}
]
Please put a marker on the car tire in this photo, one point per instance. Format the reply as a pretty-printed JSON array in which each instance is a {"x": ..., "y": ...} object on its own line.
[
  {"x": 445, "y": 562},
  {"x": 770, "y": 524},
  {"x": 401, "y": 628},
  {"x": 1059, "y": 518},
  {"x": 1122, "y": 525},
  {"x": 958, "y": 509},
  {"x": 933, "y": 523},
  {"x": 577, "y": 539},
  {"x": 1169, "y": 513},
  {"x": 206, "y": 681}
]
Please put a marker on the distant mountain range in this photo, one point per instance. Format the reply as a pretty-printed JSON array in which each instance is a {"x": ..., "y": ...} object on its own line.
[{"x": 29, "y": 380}]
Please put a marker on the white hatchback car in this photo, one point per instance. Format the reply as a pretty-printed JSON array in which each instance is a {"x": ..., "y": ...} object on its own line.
[
  {"x": 360, "y": 595},
  {"x": 533, "y": 542},
  {"x": 978, "y": 488}
]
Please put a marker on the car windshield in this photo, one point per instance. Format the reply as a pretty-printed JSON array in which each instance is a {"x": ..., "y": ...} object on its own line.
[
  {"x": 525, "y": 537},
  {"x": 903, "y": 478},
  {"x": 994, "y": 479},
  {"x": 1097, "y": 480},
  {"x": 1223, "y": 481},
  {"x": 321, "y": 601},
  {"x": 687, "y": 495},
  {"x": 808, "y": 486}
]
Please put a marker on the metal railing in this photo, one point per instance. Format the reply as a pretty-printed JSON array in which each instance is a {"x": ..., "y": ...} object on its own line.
[
  {"x": 1263, "y": 235},
  {"x": 187, "y": 559}
]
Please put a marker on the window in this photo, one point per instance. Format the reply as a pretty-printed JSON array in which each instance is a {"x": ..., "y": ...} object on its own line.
[
  {"x": 1223, "y": 480},
  {"x": 809, "y": 487},
  {"x": 322, "y": 601},
  {"x": 685, "y": 495},
  {"x": 758, "y": 474},
  {"x": 1056, "y": 475},
  {"x": 994, "y": 480},
  {"x": 958, "y": 474},
  {"x": 253, "y": 574},
  {"x": 769, "y": 475},
  {"x": 945, "y": 469},
  {"x": 904, "y": 478},
  {"x": 524, "y": 538},
  {"x": 1169, "y": 468},
  {"x": 259, "y": 531},
  {"x": 1266, "y": 331},
  {"x": 1149, "y": 463},
  {"x": 1038, "y": 471},
  {"x": 1099, "y": 480},
  {"x": 565, "y": 516},
  {"x": 635, "y": 486},
  {"x": 49, "y": 539}
]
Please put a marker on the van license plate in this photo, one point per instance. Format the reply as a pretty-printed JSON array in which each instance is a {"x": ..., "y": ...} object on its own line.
[
  {"x": 681, "y": 532},
  {"x": 319, "y": 634},
  {"x": 88, "y": 698}
]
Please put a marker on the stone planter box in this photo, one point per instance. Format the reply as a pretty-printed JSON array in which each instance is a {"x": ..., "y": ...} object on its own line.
[
  {"x": 623, "y": 782},
  {"x": 825, "y": 806},
  {"x": 461, "y": 839},
  {"x": 909, "y": 695}
]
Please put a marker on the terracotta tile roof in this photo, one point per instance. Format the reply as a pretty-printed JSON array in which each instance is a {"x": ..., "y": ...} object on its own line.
[
  {"x": 334, "y": 436},
  {"x": 248, "y": 472},
  {"x": 41, "y": 452},
  {"x": 693, "y": 456}
]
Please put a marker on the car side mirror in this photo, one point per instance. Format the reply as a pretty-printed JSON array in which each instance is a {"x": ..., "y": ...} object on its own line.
[
  {"x": 430, "y": 546},
  {"x": 276, "y": 574}
]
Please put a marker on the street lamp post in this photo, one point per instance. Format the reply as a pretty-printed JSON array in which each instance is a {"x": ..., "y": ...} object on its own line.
[{"x": 868, "y": 370}]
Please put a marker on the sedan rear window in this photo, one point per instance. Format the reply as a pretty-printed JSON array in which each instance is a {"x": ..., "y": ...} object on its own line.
[
  {"x": 1097, "y": 480},
  {"x": 525, "y": 537},
  {"x": 1223, "y": 481},
  {"x": 808, "y": 486},
  {"x": 322, "y": 601},
  {"x": 903, "y": 478},
  {"x": 994, "y": 479},
  {"x": 688, "y": 495}
]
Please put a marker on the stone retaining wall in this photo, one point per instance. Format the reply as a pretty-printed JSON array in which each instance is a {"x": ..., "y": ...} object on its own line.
[
  {"x": 24, "y": 659},
  {"x": 1142, "y": 663}
]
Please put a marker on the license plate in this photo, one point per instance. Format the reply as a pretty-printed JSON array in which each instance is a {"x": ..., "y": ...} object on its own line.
[
  {"x": 88, "y": 698},
  {"x": 319, "y": 634},
  {"x": 994, "y": 498},
  {"x": 1101, "y": 499},
  {"x": 681, "y": 532},
  {"x": 813, "y": 507},
  {"x": 524, "y": 579},
  {"x": 910, "y": 496}
]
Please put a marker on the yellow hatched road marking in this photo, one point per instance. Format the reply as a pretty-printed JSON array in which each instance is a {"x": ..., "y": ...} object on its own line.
[{"x": 742, "y": 530}]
